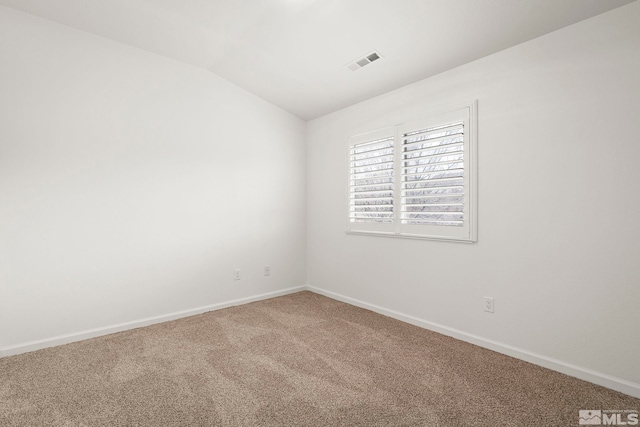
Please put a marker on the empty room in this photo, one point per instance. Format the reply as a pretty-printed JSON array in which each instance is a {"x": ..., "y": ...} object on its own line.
[{"x": 319, "y": 212}]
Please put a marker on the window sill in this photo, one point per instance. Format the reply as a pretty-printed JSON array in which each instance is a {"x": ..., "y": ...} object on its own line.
[{"x": 410, "y": 236}]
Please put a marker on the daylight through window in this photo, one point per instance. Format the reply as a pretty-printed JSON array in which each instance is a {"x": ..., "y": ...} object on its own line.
[{"x": 416, "y": 179}]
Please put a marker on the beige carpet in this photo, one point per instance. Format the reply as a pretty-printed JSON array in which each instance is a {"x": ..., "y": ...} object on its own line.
[{"x": 297, "y": 360}]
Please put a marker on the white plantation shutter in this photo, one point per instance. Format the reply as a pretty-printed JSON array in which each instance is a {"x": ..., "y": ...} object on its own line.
[
  {"x": 371, "y": 181},
  {"x": 436, "y": 176},
  {"x": 416, "y": 179},
  {"x": 433, "y": 176}
]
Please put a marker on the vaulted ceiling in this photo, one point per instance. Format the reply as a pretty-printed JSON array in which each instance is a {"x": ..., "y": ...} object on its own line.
[{"x": 295, "y": 53}]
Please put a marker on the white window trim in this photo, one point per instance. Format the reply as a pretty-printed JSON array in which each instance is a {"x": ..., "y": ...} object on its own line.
[{"x": 465, "y": 234}]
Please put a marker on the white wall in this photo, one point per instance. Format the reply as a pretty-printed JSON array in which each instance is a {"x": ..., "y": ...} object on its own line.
[
  {"x": 132, "y": 185},
  {"x": 559, "y": 196}
]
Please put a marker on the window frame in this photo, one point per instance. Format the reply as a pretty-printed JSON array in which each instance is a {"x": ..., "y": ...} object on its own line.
[{"x": 467, "y": 233}]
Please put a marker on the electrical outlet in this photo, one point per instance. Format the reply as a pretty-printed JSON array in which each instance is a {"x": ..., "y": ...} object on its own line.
[
  {"x": 236, "y": 274},
  {"x": 489, "y": 304},
  {"x": 267, "y": 271}
]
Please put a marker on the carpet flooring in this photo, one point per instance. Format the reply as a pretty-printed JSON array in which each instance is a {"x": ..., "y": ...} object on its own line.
[{"x": 297, "y": 360}]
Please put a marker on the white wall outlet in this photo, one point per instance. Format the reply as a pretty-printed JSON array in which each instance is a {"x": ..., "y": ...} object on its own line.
[
  {"x": 267, "y": 270},
  {"x": 489, "y": 304},
  {"x": 236, "y": 274}
]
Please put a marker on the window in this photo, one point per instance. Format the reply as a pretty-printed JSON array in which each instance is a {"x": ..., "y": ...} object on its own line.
[{"x": 416, "y": 179}]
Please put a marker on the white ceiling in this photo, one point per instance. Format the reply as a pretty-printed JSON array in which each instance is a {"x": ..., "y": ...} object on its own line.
[{"x": 294, "y": 53}]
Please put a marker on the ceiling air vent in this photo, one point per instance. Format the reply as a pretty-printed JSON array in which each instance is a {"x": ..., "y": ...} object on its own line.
[{"x": 365, "y": 60}]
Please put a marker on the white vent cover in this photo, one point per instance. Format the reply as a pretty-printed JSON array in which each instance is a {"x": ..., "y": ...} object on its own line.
[{"x": 365, "y": 60}]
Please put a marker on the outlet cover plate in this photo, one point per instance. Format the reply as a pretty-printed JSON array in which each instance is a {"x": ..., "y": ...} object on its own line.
[{"x": 489, "y": 305}]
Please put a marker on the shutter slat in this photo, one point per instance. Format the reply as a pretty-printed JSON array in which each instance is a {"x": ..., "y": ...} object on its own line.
[
  {"x": 429, "y": 176},
  {"x": 382, "y": 151},
  {"x": 435, "y": 216},
  {"x": 442, "y": 141},
  {"x": 380, "y": 166},
  {"x": 431, "y": 169},
  {"x": 433, "y": 183},
  {"x": 371, "y": 181},
  {"x": 459, "y": 190},
  {"x": 366, "y": 147},
  {"x": 371, "y": 161},
  {"x": 443, "y": 163},
  {"x": 374, "y": 209},
  {"x": 373, "y": 194},
  {"x": 435, "y": 151},
  {"x": 375, "y": 174},
  {"x": 439, "y": 157},
  {"x": 373, "y": 188},
  {"x": 434, "y": 208},
  {"x": 433, "y": 222},
  {"x": 363, "y": 200},
  {"x": 427, "y": 200}
]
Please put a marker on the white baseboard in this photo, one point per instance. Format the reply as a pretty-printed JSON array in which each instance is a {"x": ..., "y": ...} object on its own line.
[
  {"x": 618, "y": 384},
  {"x": 92, "y": 333}
]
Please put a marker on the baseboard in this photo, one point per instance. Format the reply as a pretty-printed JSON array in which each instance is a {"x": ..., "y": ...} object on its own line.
[
  {"x": 618, "y": 384},
  {"x": 93, "y": 333}
]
